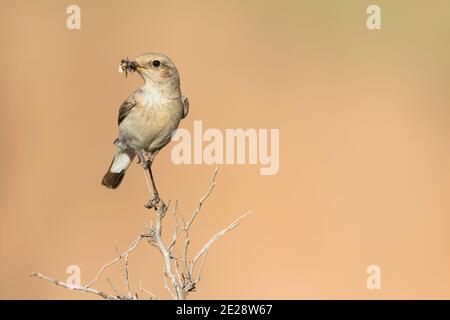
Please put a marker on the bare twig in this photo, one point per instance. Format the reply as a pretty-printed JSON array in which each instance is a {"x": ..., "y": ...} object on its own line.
[
  {"x": 152, "y": 296},
  {"x": 166, "y": 286},
  {"x": 175, "y": 228},
  {"x": 125, "y": 276},
  {"x": 165, "y": 254},
  {"x": 208, "y": 245},
  {"x": 113, "y": 287},
  {"x": 74, "y": 287},
  {"x": 202, "y": 200},
  {"x": 124, "y": 270},
  {"x": 133, "y": 246},
  {"x": 187, "y": 225},
  {"x": 178, "y": 270}
]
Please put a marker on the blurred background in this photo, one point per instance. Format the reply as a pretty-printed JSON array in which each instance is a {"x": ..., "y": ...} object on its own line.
[{"x": 364, "y": 121}]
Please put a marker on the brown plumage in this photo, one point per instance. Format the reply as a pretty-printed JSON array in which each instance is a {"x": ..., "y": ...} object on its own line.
[{"x": 150, "y": 115}]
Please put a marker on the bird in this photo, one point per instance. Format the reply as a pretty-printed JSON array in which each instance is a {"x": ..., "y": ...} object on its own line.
[{"x": 148, "y": 118}]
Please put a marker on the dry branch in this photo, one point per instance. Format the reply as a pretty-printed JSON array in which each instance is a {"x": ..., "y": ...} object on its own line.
[
  {"x": 74, "y": 287},
  {"x": 178, "y": 270}
]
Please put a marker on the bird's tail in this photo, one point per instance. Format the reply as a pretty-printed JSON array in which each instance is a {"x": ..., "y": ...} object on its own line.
[{"x": 116, "y": 171}]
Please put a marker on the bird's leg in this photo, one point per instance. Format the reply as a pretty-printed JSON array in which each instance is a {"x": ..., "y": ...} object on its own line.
[
  {"x": 141, "y": 159},
  {"x": 155, "y": 191},
  {"x": 155, "y": 201}
]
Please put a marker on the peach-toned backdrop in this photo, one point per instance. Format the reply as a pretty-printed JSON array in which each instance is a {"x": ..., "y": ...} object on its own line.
[{"x": 364, "y": 121}]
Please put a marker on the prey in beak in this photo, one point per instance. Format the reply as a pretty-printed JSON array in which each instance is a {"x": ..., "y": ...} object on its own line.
[{"x": 127, "y": 65}]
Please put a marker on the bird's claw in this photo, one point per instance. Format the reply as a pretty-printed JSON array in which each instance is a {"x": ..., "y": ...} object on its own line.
[
  {"x": 156, "y": 202},
  {"x": 144, "y": 162}
]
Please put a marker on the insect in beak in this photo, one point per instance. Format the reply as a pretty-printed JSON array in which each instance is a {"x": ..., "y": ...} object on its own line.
[{"x": 127, "y": 66}]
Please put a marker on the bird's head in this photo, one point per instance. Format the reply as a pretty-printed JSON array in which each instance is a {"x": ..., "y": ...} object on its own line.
[{"x": 152, "y": 67}]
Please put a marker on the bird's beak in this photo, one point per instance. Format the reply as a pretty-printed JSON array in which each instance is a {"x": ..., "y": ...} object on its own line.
[{"x": 136, "y": 66}]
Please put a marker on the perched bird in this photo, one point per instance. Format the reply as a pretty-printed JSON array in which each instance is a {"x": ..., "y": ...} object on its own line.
[{"x": 148, "y": 118}]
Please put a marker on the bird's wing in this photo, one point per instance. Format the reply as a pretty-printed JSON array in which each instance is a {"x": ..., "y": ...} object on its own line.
[
  {"x": 126, "y": 107},
  {"x": 185, "y": 106}
]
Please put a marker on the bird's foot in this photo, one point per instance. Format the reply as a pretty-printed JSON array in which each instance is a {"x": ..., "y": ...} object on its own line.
[
  {"x": 157, "y": 203},
  {"x": 146, "y": 164}
]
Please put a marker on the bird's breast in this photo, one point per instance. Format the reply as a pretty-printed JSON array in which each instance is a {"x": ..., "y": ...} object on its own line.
[{"x": 150, "y": 124}]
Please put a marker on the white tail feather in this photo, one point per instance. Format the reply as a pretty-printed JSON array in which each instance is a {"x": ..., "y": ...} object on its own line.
[{"x": 121, "y": 161}]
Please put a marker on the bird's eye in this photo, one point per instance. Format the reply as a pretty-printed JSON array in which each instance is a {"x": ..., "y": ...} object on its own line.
[{"x": 156, "y": 63}]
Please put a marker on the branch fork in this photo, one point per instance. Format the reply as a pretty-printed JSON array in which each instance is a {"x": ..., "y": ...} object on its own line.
[{"x": 181, "y": 274}]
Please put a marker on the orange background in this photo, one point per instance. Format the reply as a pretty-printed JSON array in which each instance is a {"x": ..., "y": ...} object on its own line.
[{"x": 364, "y": 125}]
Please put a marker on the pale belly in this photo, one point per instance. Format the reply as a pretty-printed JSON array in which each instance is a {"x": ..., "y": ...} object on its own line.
[{"x": 149, "y": 129}]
